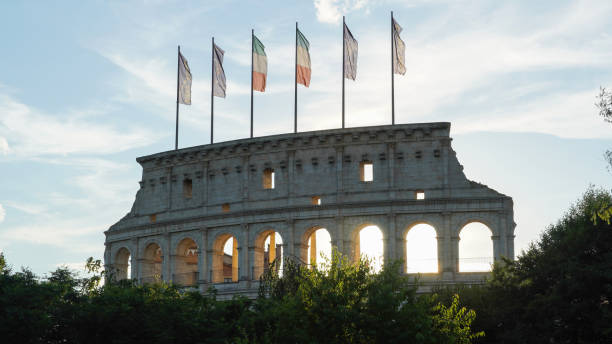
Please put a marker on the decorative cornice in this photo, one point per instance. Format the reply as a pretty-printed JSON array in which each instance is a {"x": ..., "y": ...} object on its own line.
[{"x": 306, "y": 140}]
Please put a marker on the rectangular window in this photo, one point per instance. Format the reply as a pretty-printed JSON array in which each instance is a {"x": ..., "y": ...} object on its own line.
[
  {"x": 225, "y": 207},
  {"x": 268, "y": 178},
  {"x": 316, "y": 200},
  {"x": 153, "y": 218},
  {"x": 420, "y": 194},
  {"x": 187, "y": 188},
  {"x": 366, "y": 172}
]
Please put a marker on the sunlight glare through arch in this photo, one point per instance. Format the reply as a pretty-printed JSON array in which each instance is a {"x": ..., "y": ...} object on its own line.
[
  {"x": 421, "y": 249},
  {"x": 228, "y": 247},
  {"x": 371, "y": 246},
  {"x": 323, "y": 245},
  {"x": 475, "y": 248}
]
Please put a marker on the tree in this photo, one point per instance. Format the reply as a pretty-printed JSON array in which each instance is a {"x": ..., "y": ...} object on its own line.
[
  {"x": 345, "y": 302},
  {"x": 559, "y": 290}
]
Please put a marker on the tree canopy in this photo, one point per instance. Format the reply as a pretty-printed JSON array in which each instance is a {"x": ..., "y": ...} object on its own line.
[
  {"x": 558, "y": 291},
  {"x": 339, "y": 302}
]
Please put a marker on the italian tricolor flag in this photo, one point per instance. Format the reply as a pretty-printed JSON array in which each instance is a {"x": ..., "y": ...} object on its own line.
[
  {"x": 260, "y": 66},
  {"x": 303, "y": 60}
]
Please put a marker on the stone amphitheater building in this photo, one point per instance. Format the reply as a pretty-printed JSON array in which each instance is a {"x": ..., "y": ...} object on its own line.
[{"x": 266, "y": 197}]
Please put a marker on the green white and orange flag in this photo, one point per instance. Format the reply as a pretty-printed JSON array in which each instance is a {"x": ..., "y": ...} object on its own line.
[
  {"x": 303, "y": 60},
  {"x": 260, "y": 66}
]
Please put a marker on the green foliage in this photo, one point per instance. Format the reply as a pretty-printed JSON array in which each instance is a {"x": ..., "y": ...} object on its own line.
[
  {"x": 558, "y": 291},
  {"x": 339, "y": 302},
  {"x": 345, "y": 302}
]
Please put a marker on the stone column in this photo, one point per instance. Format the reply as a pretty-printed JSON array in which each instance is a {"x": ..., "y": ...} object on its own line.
[
  {"x": 446, "y": 265},
  {"x": 203, "y": 258},
  {"x": 501, "y": 234},
  {"x": 389, "y": 240},
  {"x": 391, "y": 169},
  {"x": 339, "y": 241},
  {"x": 244, "y": 265},
  {"x": 168, "y": 259},
  {"x": 290, "y": 176},
  {"x": 133, "y": 258},
  {"x": 455, "y": 251},
  {"x": 339, "y": 175},
  {"x": 289, "y": 242},
  {"x": 210, "y": 274}
]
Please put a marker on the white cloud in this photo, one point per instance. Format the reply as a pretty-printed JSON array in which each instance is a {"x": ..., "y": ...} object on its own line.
[
  {"x": 2, "y": 213},
  {"x": 69, "y": 235},
  {"x": 35, "y": 133},
  {"x": 331, "y": 11},
  {"x": 4, "y": 147}
]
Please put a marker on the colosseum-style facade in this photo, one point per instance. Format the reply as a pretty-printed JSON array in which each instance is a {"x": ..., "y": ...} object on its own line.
[{"x": 192, "y": 201}]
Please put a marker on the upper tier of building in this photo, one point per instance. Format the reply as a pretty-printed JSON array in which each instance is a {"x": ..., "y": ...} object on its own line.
[{"x": 389, "y": 164}]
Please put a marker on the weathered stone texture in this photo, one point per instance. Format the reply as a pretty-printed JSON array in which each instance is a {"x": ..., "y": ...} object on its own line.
[{"x": 406, "y": 158}]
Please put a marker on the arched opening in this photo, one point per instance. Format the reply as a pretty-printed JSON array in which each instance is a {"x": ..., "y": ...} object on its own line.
[
  {"x": 152, "y": 264},
  {"x": 369, "y": 244},
  {"x": 318, "y": 244},
  {"x": 421, "y": 249},
  {"x": 475, "y": 248},
  {"x": 123, "y": 264},
  {"x": 268, "y": 250},
  {"x": 225, "y": 259},
  {"x": 186, "y": 266}
]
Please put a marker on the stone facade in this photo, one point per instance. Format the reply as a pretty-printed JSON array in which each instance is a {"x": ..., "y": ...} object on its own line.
[{"x": 206, "y": 194}]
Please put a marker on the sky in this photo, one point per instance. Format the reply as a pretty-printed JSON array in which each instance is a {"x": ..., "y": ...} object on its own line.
[{"x": 88, "y": 86}]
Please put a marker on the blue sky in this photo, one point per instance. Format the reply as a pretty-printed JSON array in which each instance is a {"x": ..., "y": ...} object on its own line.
[{"x": 86, "y": 87}]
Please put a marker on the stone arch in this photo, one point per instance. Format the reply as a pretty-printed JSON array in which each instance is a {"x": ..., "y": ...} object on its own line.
[
  {"x": 486, "y": 218},
  {"x": 186, "y": 256},
  {"x": 310, "y": 250},
  {"x": 375, "y": 249},
  {"x": 152, "y": 262},
  {"x": 264, "y": 256},
  {"x": 476, "y": 247},
  {"x": 122, "y": 264},
  {"x": 424, "y": 244},
  {"x": 225, "y": 267}
]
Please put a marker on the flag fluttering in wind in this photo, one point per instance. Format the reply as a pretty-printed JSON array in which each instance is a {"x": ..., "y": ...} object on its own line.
[
  {"x": 350, "y": 54},
  {"x": 184, "y": 81},
  {"x": 219, "y": 73},
  {"x": 260, "y": 66},
  {"x": 303, "y": 60},
  {"x": 399, "y": 51}
]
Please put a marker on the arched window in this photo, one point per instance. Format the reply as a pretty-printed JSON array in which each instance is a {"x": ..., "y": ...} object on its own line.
[
  {"x": 152, "y": 264},
  {"x": 369, "y": 244},
  {"x": 268, "y": 252},
  {"x": 123, "y": 264},
  {"x": 225, "y": 259},
  {"x": 421, "y": 249},
  {"x": 319, "y": 247},
  {"x": 186, "y": 266},
  {"x": 475, "y": 248}
]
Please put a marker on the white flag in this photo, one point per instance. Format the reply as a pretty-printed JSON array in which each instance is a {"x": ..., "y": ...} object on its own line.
[
  {"x": 219, "y": 77},
  {"x": 184, "y": 81},
  {"x": 399, "y": 50},
  {"x": 350, "y": 54}
]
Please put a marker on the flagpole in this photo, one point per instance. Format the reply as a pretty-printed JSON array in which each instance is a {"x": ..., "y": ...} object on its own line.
[
  {"x": 212, "y": 86},
  {"x": 392, "y": 75},
  {"x": 252, "y": 34},
  {"x": 178, "y": 72},
  {"x": 295, "y": 82},
  {"x": 343, "y": 54}
]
